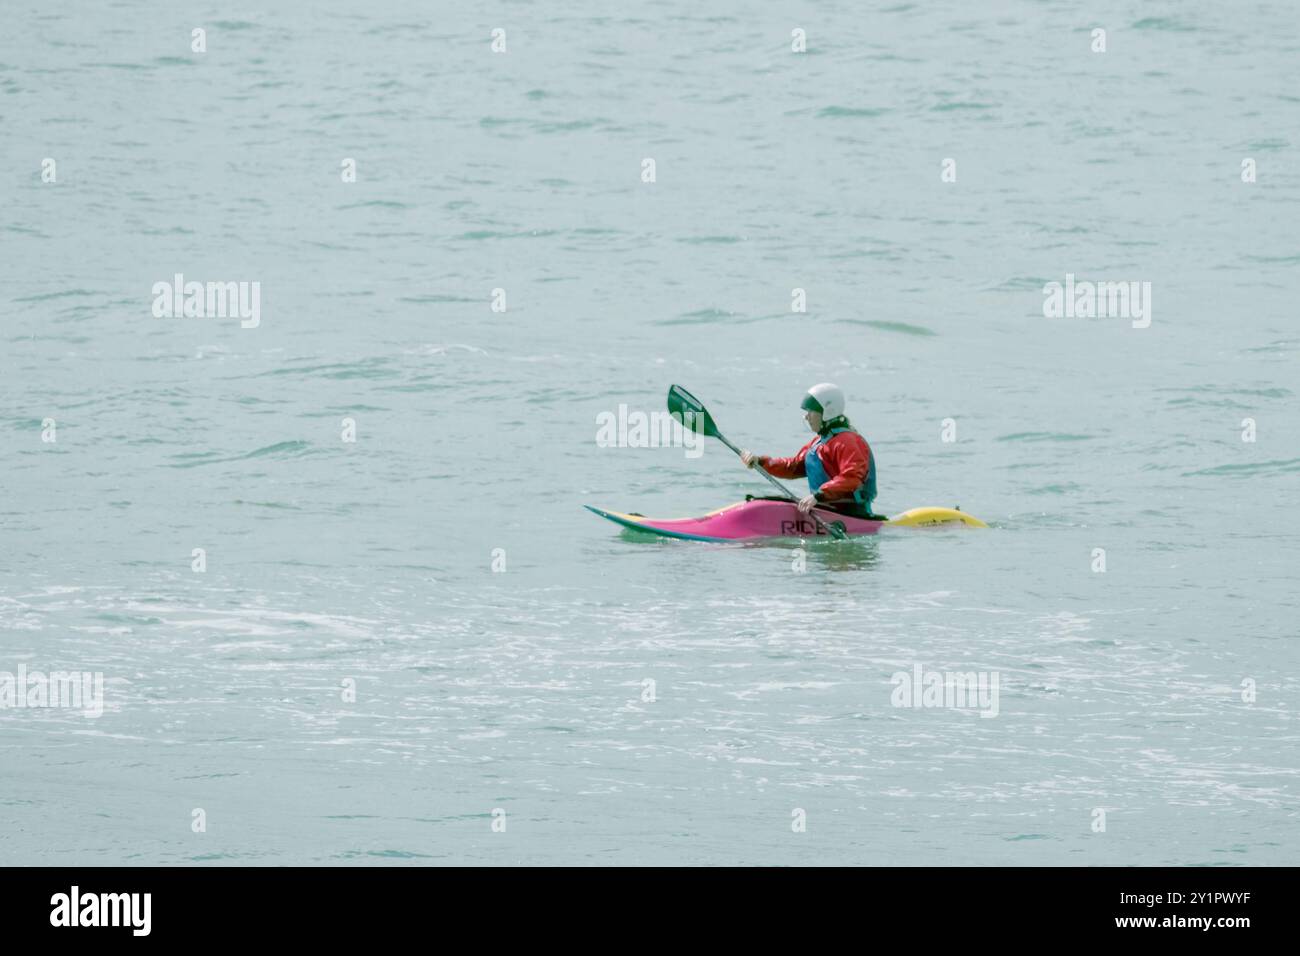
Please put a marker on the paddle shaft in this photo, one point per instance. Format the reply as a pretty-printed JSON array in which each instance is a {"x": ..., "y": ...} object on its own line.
[{"x": 786, "y": 492}]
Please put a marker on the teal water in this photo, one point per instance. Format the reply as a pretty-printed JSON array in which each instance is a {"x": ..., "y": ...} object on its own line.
[{"x": 522, "y": 690}]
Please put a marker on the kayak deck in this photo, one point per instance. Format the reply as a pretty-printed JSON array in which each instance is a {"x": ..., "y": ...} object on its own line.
[{"x": 768, "y": 518}]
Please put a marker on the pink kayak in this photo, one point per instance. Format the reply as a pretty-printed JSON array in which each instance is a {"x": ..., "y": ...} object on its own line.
[{"x": 768, "y": 518}]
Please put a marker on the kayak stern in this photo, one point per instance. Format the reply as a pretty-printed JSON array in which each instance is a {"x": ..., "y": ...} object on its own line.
[{"x": 933, "y": 517}]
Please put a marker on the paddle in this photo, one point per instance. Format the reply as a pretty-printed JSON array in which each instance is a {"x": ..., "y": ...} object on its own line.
[{"x": 682, "y": 403}]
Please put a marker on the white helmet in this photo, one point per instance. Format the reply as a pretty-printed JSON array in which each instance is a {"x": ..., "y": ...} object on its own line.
[{"x": 825, "y": 398}]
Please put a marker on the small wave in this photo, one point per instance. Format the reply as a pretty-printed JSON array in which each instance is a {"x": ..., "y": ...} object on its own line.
[
  {"x": 368, "y": 368},
  {"x": 480, "y": 234},
  {"x": 1211, "y": 397},
  {"x": 1260, "y": 145},
  {"x": 903, "y": 327},
  {"x": 707, "y": 240},
  {"x": 1044, "y": 436},
  {"x": 430, "y": 299},
  {"x": 1163, "y": 23},
  {"x": 1022, "y": 284},
  {"x": 55, "y": 295},
  {"x": 1053, "y": 489},
  {"x": 1275, "y": 260},
  {"x": 443, "y": 350},
  {"x": 845, "y": 112},
  {"x": 282, "y": 449},
  {"x": 571, "y": 126},
  {"x": 1249, "y": 469},
  {"x": 698, "y": 317},
  {"x": 279, "y": 448},
  {"x": 377, "y": 203}
]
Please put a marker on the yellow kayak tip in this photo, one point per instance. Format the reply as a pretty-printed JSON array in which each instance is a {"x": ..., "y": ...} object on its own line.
[{"x": 934, "y": 517}]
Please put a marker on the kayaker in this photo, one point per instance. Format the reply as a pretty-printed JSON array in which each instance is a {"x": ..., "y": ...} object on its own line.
[{"x": 838, "y": 463}]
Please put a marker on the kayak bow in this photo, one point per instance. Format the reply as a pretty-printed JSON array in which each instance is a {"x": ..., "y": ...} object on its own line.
[{"x": 768, "y": 518}]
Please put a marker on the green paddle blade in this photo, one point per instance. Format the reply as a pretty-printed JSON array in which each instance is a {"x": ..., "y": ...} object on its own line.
[{"x": 688, "y": 410}]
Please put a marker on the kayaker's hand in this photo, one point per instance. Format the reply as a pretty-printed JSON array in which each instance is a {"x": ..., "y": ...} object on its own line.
[
  {"x": 749, "y": 458},
  {"x": 807, "y": 503}
]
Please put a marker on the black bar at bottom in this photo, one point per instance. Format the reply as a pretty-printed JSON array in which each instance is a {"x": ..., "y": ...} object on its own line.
[{"x": 334, "y": 906}]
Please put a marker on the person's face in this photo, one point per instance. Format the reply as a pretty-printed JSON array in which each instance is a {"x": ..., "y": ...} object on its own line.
[{"x": 814, "y": 420}]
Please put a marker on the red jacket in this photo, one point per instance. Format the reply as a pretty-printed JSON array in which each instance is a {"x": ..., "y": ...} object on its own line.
[{"x": 847, "y": 458}]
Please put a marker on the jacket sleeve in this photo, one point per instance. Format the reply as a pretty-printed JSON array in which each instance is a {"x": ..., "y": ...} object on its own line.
[
  {"x": 850, "y": 460},
  {"x": 786, "y": 467}
]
